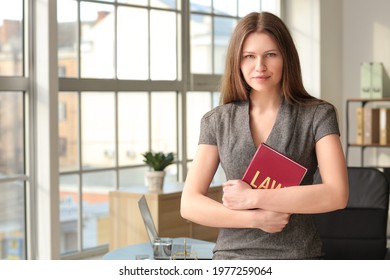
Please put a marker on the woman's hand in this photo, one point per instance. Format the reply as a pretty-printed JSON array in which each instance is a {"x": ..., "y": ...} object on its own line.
[
  {"x": 269, "y": 221},
  {"x": 238, "y": 195}
]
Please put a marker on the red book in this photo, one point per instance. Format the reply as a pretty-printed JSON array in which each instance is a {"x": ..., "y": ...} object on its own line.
[{"x": 270, "y": 169}]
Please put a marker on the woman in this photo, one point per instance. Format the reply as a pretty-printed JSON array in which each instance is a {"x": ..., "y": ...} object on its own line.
[{"x": 264, "y": 101}]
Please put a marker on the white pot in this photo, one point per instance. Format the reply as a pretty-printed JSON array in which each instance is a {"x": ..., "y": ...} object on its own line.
[{"x": 155, "y": 180}]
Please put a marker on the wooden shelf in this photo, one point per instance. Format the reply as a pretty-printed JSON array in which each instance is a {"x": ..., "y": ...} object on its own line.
[
  {"x": 369, "y": 145},
  {"x": 369, "y": 99},
  {"x": 363, "y": 102}
]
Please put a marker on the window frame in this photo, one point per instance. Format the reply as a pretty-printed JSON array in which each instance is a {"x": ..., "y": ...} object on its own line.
[{"x": 43, "y": 217}]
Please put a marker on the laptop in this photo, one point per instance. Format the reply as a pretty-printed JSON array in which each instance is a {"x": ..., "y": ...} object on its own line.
[{"x": 169, "y": 248}]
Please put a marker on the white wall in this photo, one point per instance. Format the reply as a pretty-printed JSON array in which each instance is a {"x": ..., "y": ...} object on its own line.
[
  {"x": 316, "y": 28},
  {"x": 366, "y": 37},
  {"x": 333, "y": 37},
  {"x": 303, "y": 19}
]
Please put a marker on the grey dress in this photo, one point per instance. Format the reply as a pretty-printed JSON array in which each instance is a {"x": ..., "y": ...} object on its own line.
[{"x": 295, "y": 132}]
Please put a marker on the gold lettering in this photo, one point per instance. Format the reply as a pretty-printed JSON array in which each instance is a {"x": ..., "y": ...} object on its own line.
[
  {"x": 278, "y": 186},
  {"x": 254, "y": 180},
  {"x": 265, "y": 184}
]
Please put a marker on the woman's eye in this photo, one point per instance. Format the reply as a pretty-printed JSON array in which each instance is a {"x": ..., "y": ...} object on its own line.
[
  {"x": 249, "y": 56},
  {"x": 271, "y": 54}
]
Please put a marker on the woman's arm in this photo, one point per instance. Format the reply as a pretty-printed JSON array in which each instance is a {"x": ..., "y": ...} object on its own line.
[
  {"x": 331, "y": 194},
  {"x": 197, "y": 207}
]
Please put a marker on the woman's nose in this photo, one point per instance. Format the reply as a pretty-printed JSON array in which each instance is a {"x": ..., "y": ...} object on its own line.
[{"x": 260, "y": 65}]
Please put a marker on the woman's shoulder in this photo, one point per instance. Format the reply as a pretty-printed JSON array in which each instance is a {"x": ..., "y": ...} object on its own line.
[
  {"x": 317, "y": 105},
  {"x": 225, "y": 110}
]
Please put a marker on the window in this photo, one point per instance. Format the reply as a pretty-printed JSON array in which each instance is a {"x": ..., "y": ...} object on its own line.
[
  {"x": 125, "y": 93},
  {"x": 134, "y": 75},
  {"x": 11, "y": 39},
  {"x": 14, "y": 120},
  {"x": 212, "y": 23}
]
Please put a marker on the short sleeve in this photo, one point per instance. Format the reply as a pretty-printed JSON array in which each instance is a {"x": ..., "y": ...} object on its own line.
[
  {"x": 325, "y": 121},
  {"x": 207, "y": 129}
]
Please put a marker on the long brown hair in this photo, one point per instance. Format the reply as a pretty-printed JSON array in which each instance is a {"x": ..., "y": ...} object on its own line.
[{"x": 233, "y": 85}]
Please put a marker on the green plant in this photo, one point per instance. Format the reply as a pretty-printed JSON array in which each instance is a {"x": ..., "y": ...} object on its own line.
[{"x": 158, "y": 161}]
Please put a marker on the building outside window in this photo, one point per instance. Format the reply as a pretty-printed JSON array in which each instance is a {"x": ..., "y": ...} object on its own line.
[{"x": 13, "y": 126}]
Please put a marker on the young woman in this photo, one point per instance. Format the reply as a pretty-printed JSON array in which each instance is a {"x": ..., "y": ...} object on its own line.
[{"x": 264, "y": 101}]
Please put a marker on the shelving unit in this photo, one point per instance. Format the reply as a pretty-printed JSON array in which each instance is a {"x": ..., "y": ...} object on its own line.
[{"x": 363, "y": 102}]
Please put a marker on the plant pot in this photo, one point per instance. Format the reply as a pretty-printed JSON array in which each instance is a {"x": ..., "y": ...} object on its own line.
[{"x": 155, "y": 180}]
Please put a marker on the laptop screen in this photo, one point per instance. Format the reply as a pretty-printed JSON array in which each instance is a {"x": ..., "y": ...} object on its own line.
[
  {"x": 202, "y": 249},
  {"x": 148, "y": 220}
]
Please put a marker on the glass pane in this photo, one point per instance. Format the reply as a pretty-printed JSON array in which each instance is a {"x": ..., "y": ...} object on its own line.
[
  {"x": 12, "y": 221},
  {"x": 69, "y": 213},
  {"x": 201, "y": 6},
  {"x": 68, "y": 130},
  {"x": 96, "y": 228},
  {"x": 201, "y": 44},
  {"x": 11, "y": 39},
  {"x": 133, "y": 177},
  {"x": 270, "y": 6},
  {"x": 163, "y": 45},
  {"x": 135, "y": 2},
  {"x": 171, "y": 174},
  {"x": 247, "y": 6},
  {"x": 168, "y": 4},
  {"x": 225, "y": 7},
  {"x": 67, "y": 38},
  {"x": 216, "y": 99},
  {"x": 164, "y": 116},
  {"x": 198, "y": 103},
  {"x": 97, "y": 40},
  {"x": 219, "y": 176},
  {"x": 98, "y": 129},
  {"x": 133, "y": 122},
  {"x": 133, "y": 40},
  {"x": 223, "y": 28},
  {"x": 11, "y": 134}
]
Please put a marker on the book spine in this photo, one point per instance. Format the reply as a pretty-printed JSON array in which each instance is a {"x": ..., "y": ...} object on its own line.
[
  {"x": 375, "y": 125},
  {"x": 367, "y": 126},
  {"x": 371, "y": 126},
  {"x": 384, "y": 126},
  {"x": 360, "y": 126}
]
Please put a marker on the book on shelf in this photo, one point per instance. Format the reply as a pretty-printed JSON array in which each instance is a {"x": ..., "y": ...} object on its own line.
[
  {"x": 370, "y": 125},
  {"x": 270, "y": 169},
  {"x": 384, "y": 126},
  {"x": 359, "y": 125}
]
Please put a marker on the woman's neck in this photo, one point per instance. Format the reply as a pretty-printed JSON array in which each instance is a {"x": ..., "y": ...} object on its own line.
[{"x": 262, "y": 102}]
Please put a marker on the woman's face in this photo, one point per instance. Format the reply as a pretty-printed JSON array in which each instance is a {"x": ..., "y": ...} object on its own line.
[{"x": 261, "y": 63}]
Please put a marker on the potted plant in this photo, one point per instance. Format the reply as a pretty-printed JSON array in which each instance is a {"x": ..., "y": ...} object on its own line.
[{"x": 157, "y": 161}]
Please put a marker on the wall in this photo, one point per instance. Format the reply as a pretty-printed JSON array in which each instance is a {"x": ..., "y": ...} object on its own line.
[
  {"x": 315, "y": 26},
  {"x": 366, "y": 37},
  {"x": 333, "y": 37},
  {"x": 303, "y": 19}
]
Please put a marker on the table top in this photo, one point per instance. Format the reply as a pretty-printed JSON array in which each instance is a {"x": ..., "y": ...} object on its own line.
[
  {"x": 144, "y": 250},
  {"x": 169, "y": 188}
]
